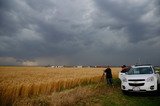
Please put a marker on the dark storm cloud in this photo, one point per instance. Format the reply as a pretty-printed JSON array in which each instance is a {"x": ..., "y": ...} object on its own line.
[
  {"x": 71, "y": 32},
  {"x": 130, "y": 13},
  {"x": 7, "y": 22}
]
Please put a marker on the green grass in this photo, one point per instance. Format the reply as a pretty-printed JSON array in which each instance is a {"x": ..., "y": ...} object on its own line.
[
  {"x": 112, "y": 96},
  {"x": 157, "y": 69}
]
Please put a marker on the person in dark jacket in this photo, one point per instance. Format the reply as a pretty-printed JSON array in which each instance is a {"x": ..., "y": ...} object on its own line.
[
  {"x": 108, "y": 74},
  {"x": 125, "y": 69}
]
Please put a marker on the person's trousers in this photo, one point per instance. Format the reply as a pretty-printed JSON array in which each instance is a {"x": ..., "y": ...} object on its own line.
[{"x": 109, "y": 81}]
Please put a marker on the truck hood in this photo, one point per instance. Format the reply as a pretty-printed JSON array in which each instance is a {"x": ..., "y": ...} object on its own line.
[{"x": 144, "y": 76}]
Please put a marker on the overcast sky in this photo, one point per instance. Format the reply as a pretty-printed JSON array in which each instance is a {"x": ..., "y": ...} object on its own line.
[{"x": 79, "y": 32}]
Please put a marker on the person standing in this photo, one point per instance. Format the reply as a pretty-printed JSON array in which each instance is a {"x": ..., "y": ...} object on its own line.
[
  {"x": 108, "y": 74},
  {"x": 125, "y": 69}
]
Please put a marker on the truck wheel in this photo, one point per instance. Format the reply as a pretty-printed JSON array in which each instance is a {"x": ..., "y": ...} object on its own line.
[
  {"x": 158, "y": 88},
  {"x": 124, "y": 92}
]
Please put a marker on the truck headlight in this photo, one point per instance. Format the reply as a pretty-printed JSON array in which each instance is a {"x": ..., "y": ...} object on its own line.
[
  {"x": 124, "y": 79},
  {"x": 150, "y": 79}
]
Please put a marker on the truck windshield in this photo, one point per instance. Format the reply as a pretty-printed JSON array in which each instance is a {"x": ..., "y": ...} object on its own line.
[{"x": 140, "y": 70}]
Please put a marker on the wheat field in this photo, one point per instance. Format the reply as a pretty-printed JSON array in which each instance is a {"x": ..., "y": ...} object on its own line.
[{"x": 29, "y": 81}]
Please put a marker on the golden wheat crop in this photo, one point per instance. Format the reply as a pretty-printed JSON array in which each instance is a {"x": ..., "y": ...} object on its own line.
[{"x": 28, "y": 81}]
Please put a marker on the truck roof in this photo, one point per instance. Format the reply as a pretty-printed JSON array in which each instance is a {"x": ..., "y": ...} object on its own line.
[{"x": 146, "y": 65}]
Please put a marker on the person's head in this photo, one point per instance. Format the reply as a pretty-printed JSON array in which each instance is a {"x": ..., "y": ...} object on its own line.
[{"x": 123, "y": 66}]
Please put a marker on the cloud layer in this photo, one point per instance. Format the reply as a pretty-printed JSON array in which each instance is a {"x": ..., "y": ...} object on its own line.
[{"x": 79, "y": 32}]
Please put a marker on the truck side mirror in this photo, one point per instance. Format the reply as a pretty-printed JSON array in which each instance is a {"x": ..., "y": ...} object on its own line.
[{"x": 122, "y": 73}]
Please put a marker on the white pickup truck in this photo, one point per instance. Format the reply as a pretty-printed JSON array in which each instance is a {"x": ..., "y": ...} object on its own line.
[{"x": 140, "y": 78}]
